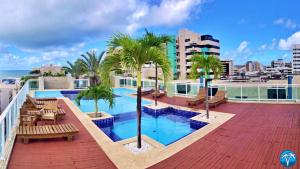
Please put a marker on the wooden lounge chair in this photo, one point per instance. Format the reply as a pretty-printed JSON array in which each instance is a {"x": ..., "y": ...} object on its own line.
[
  {"x": 219, "y": 98},
  {"x": 47, "y": 131},
  {"x": 39, "y": 103},
  {"x": 198, "y": 99},
  {"x": 158, "y": 94}
]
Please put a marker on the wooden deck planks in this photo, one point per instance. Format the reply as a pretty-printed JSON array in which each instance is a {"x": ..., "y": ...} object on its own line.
[
  {"x": 82, "y": 152},
  {"x": 253, "y": 138}
]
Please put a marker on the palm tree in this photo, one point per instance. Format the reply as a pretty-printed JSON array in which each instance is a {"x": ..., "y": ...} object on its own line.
[
  {"x": 159, "y": 42},
  {"x": 132, "y": 54},
  {"x": 75, "y": 69},
  {"x": 207, "y": 64},
  {"x": 97, "y": 92},
  {"x": 92, "y": 64}
]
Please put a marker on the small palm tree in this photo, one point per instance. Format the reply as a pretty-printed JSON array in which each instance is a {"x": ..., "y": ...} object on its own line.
[
  {"x": 159, "y": 42},
  {"x": 207, "y": 64},
  {"x": 92, "y": 64},
  {"x": 77, "y": 69},
  {"x": 132, "y": 54},
  {"x": 97, "y": 92}
]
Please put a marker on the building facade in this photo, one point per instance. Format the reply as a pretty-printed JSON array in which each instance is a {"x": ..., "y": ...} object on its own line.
[
  {"x": 171, "y": 53},
  {"x": 296, "y": 59},
  {"x": 253, "y": 66},
  {"x": 279, "y": 67},
  {"x": 228, "y": 68},
  {"x": 189, "y": 43}
]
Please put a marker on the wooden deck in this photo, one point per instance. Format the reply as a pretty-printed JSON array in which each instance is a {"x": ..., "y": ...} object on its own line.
[
  {"x": 82, "y": 152},
  {"x": 254, "y": 138}
]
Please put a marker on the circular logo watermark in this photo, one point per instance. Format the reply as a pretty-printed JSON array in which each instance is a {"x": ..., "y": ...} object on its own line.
[{"x": 288, "y": 158}]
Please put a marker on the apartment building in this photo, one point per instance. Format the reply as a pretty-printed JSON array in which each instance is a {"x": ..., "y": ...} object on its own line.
[
  {"x": 171, "y": 53},
  {"x": 296, "y": 59},
  {"x": 279, "y": 67},
  {"x": 189, "y": 43},
  {"x": 7, "y": 92},
  {"x": 228, "y": 68}
]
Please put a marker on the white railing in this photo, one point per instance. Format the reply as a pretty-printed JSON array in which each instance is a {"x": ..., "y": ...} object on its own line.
[
  {"x": 9, "y": 120},
  {"x": 236, "y": 92}
]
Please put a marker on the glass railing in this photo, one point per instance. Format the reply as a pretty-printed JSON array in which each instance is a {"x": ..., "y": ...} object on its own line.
[
  {"x": 81, "y": 83},
  {"x": 240, "y": 92},
  {"x": 33, "y": 84}
]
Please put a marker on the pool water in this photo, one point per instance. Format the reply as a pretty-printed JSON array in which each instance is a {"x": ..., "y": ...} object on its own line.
[
  {"x": 48, "y": 94},
  {"x": 165, "y": 128}
]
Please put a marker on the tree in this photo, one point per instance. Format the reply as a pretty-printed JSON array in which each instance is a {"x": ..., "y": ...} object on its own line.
[
  {"x": 159, "y": 42},
  {"x": 97, "y": 92},
  {"x": 207, "y": 64},
  {"x": 132, "y": 54},
  {"x": 92, "y": 64},
  {"x": 76, "y": 69}
]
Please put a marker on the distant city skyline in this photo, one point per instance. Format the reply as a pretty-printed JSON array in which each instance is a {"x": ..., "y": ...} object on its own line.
[{"x": 36, "y": 33}]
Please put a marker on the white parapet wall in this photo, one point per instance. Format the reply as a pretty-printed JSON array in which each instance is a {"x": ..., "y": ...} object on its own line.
[{"x": 56, "y": 83}]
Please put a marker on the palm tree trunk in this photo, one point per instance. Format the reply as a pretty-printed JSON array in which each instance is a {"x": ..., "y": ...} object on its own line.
[
  {"x": 96, "y": 108},
  {"x": 156, "y": 83},
  {"x": 139, "y": 108},
  {"x": 206, "y": 98}
]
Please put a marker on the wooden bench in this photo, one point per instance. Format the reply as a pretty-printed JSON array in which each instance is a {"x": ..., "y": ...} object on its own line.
[{"x": 47, "y": 131}]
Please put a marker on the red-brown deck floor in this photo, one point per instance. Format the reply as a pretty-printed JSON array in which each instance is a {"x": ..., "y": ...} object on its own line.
[
  {"x": 82, "y": 152},
  {"x": 253, "y": 138}
]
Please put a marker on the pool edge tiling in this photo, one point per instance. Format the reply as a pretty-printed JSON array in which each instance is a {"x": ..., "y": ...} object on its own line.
[
  {"x": 166, "y": 125},
  {"x": 115, "y": 150}
]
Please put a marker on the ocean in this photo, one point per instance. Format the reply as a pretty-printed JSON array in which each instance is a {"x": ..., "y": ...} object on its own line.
[{"x": 13, "y": 73}]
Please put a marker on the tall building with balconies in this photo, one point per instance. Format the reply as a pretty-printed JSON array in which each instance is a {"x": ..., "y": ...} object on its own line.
[
  {"x": 228, "y": 68},
  {"x": 296, "y": 59},
  {"x": 189, "y": 43}
]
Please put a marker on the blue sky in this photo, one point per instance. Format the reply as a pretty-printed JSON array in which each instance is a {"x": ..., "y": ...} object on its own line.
[{"x": 34, "y": 33}]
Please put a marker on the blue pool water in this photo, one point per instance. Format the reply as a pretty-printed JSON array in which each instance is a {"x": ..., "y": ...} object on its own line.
[
  {"x": 48, "y": 94},
  {"x": 165, "y": 128}
]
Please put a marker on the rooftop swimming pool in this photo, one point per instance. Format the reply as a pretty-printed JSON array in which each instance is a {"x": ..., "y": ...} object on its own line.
[{"x": 166, "y": 126}]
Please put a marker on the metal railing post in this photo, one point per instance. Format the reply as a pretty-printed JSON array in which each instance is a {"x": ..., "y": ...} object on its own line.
[
  {"x": 258, "y": 92},
  {"x": 186, "y": 92},
  {"x": 277, "y": 92},
  {"x": 2, "y": 139},
  {"x": 226, "y": 94},
  {"x": 296, "y": 93},
  {"x": 241, "y": 93},
  {"x": 175, "y": 87}
]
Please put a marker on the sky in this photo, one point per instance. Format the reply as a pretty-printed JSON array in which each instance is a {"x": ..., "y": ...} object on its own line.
[{"x": 34, "y": 33}]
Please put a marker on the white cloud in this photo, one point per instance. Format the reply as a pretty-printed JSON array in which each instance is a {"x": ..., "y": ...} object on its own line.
[
  {"x": 241, "y": 54},
  {"x": 270, "y": 46},
  {"x": 286, "y": 44},
  {"x": 35, "y": 24},
  {"x": 36, "y": 58},
  {"x": 279, "y": 21},
  {"x": 243, "y": 45},
  {"x": 288, "y": 23}
]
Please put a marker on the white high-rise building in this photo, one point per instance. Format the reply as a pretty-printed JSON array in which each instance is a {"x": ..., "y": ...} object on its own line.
[
  {"x": 189, "y": 43},
  {"x": 296, "y": 59}
]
